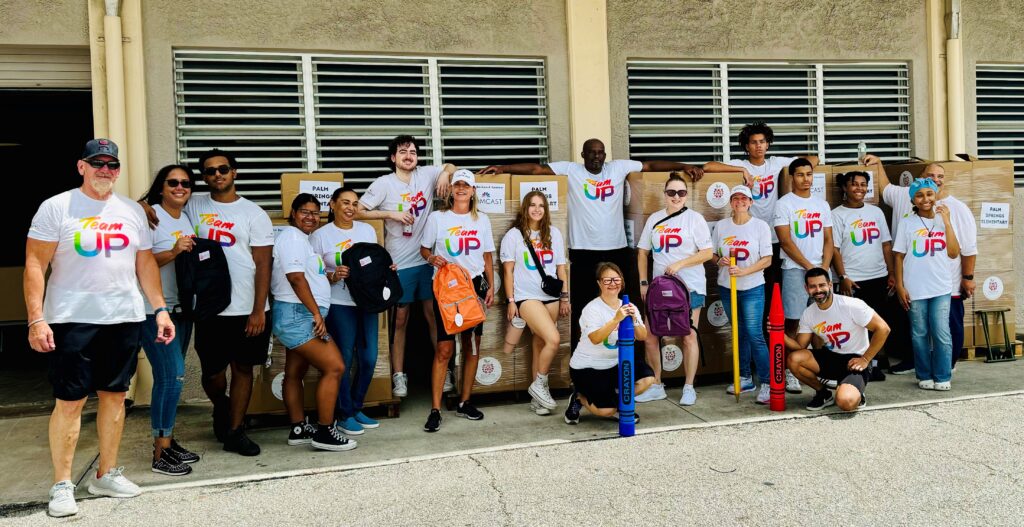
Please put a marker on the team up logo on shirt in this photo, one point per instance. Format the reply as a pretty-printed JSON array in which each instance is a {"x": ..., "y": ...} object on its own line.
[
  {"x": 546, "y": 255},
  {"x": 598, "y": 190},
  {"x": 464, "y": 241},
  {"x": 732, "y": 242},
  {"x": 181, "y": 234},
  {"x": 869, "y": 232},
  {"x": 342, "y": 247},
  {"x": 216, "y": 230},
  {"x": 417, "y": 202},
  {"x": 811, "y": 222},
  {"x": 665, "y": 238},
  {"x": 932, "y": 243},
  {"x": 104, "y": 237},
  {"x": 763, "y": 186},
  {"x": 833, "y": 333},
  {"x": 321, "y": 270},
  {"x": 609, "y": 343}
]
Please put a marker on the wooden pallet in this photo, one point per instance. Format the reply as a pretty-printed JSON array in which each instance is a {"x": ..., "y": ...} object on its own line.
[{"x": 978, "y": 352}]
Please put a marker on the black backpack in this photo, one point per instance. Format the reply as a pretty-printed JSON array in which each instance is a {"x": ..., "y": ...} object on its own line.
[
  {"x": 204, "y": 282},
  {"x": 372, "y": 283}
]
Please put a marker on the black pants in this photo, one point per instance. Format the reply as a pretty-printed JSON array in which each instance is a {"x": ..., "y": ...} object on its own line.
[
  {"x": 583, "y": 282},
  {"x": 874, "y": 293}
]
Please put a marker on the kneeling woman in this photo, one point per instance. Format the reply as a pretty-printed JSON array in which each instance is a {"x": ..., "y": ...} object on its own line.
[
  {"x": 594, "y": 363},
  {"x": 302, "y": 296},
  {"x": 463, "y": 235}
]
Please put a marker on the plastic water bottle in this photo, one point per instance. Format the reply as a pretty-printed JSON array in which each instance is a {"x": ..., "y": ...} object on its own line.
[
  {"x": 406, "y": 227},
  {"x": 862, "y": 151}
]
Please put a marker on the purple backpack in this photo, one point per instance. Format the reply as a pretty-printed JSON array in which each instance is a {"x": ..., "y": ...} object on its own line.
[{"x": 668, "y": 307}]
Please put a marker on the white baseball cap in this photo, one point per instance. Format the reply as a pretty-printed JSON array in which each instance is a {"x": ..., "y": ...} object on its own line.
[
  {"x": 741, "y": 189},
  {"x": 465, "y": 176}
]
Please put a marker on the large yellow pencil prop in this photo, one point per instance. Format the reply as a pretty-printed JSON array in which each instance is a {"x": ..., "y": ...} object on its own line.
[{"x": 735, "y": 327}]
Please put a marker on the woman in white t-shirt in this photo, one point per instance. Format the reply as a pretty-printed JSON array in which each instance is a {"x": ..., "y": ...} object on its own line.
[
  {"x": 925, "y": 248},
  {"x": 524, "y": 288},
  {"x": 354, "y": 329},
  {"x": 681, "y": 243},
  {"x": 751, "y": 240},
  {"x": 594, "y": 366},
  {"x": 170, "y": 191},
  {"x": 302, "y": 295},
  {"x": 459, "y": 234}
]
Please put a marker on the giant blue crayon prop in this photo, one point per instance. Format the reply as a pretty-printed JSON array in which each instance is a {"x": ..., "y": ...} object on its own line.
[{"x": 627, "y": 417}]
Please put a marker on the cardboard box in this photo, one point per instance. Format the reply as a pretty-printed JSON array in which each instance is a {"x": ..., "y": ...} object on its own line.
[
  {"x": 320, "y": 184},
  {"x": 646, "y": 192},
  {"x": 494, "y": 192},
  {"x": 12, "y": 309},
  {"x": 834, "y": 195}
]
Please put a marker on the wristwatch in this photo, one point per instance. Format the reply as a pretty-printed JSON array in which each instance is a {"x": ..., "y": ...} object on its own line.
[
  {"x": 968, "y": 277},
  {"x": 511, "y": 300},
  {"x": 644, "y": 282},
  {"x": 842, "y": 277}
]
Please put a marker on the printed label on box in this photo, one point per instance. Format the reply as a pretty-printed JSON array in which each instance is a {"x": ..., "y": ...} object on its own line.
[
  {"x": 277, "y": 386},
  {"x": 906, "y": 178},
  {"x": 871, "y": 186},
  {"x": 630, "y": 238},
  {"x": 818, "y": 186},
  {"x": 549, "y": 188},
  {"x": 718, "y": 195},
  {"x": 322, "y": 190},
  {"x": 488, "y": 371},
  {"x": 992, "y": 288},
  {"x": 716, "y": 314},
  {"x": 995, "y": 215},
  {"x": 671, "y": 357},
  {"x": 491, "y": 198}
]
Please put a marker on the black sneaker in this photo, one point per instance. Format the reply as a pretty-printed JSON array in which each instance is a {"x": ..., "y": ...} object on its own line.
[
  {"x": 221, "y": 420},
  {"x": 572, "y": 411},
  {"x": 863, "y": 401},
  {"x": 876, "y": 375},
  {"x": 822, "y": 399},
  {"x": 328, "y": 437},
  {"x": 467, "y": 410},
  {"x": 301, "y": 434},
  {"x": 169, "y": 465},
  {"x": 183, "y": 454},
  {"x": 237, "y": 441},
  {"x": 433, "y": 421},
  {"x": 902, "y": 368}
]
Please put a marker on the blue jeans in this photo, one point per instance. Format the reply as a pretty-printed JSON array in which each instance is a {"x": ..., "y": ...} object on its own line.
[
  {"x": 168, "y": 363},
  {"x": 750, "y": 309},
  {"x": 929, "y": 333},
  {"x": 355, "y": 331}
]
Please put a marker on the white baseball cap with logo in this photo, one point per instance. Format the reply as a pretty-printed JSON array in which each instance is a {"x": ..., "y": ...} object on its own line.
[
  {"x": 464, "y": 176},
  {"x": 741, "y": 189}
]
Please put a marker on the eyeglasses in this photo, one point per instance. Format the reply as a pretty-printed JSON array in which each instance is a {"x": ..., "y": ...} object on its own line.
[
  {"x": 610, "y": 281},
  {"x": 173, "y": 183},
  {"x": 223, "y": 169},
  {"x": 99, "y": 163},
  {"x": 673, "y": 193},
  {"x": 307, "y": 213}
]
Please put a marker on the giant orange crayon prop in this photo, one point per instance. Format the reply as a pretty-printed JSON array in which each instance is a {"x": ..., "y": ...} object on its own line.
[
  {"x": 777, "y": 352},
  {"x": 735, "y": 327}
]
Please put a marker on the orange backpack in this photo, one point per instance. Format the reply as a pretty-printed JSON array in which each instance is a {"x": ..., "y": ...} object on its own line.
[{"x": 456, "y": 299}]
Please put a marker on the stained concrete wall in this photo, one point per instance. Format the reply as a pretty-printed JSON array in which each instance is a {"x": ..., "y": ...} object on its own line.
[
  {"x": 44, "y": 23},
  {"x": 863, "y": 30}
]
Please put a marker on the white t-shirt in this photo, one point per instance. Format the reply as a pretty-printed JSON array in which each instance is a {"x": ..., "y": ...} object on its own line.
[
  {"x": 806, "y": 219},
  {"x": 925, "y": 264},
  {"x": 460, "y": 239},
  {"x": 859, "y": 235},
  {"x": 165, "y": 235},
  {"x": 676, "y": 239},
  {"x": 330, "y": 241},
  {"x": 898, "y": 198},
  {"x": 93, "y": 278},
  {"x": 595, "y": 203},
  {"x": 525, "y": 277},
  {"x": 388, "y": 193},
  {"x": 238, "y": 226},
  {"x": 752, "y": 241},
  {"x": 766, "y": 186},
  {"x": 596, "y": 356},
  {"x": 843, "y": 326},
  {"x": 294, "y": 254}
]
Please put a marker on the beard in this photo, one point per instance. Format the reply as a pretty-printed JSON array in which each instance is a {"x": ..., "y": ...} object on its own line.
[
  {"x": 821, "y": 298},
  {"x": 101, "y": 186}
]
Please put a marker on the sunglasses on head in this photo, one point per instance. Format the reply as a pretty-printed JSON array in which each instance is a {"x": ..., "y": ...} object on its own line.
[
  {"x": 99, "y": 163},
  {"x": 223, "y": 169},
  {"x": 173, "y": 183},
  {"x": 673, "y": 193}
]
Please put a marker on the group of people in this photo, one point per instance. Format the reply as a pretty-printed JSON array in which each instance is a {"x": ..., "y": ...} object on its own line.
[{"x": 113, "y": 288}]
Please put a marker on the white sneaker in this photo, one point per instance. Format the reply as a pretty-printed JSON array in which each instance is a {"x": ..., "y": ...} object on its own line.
[
  {"x": 541, "y": 394},
  {"x": 943, "y": 386},
  {"x": 764, "y": 395},
  {"x": 792, "y": 383},
  {"x": 926, "y": 384},
  {"x": 689, "y": 397},
  {"x": 538, "y": 409},
  {"x": 746, "y": 385},
  {"x": 401, "y": 384},
  {"x": 828, "y": 383},
  {"x": 449, "y": 382},
  {"x": 114, "y": 485},
  {"x": 655, "y": 392},
  {"x": 62, "y": 499}
]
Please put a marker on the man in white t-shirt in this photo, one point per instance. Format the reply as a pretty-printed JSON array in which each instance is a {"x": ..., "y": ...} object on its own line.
[
  {"x": 596, "y": 225},
  {"x": 842, "y": 323},
  {"x": 239, "y": 336},
  {"x": 961, "y": 269},
  {"x": 404, "y": 200},
  {"x": 99, "y": 247}
]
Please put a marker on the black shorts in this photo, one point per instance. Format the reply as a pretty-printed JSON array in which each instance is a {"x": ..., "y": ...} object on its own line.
[
  {"x": 442, "y": 335},
  {"x": 600, "y": 387},
  {"x": 833, "y": 366},
  {"x": 519, "y": 303},
  {"x": 93, "y": 357},
  {"x": 221, "y": 340}
]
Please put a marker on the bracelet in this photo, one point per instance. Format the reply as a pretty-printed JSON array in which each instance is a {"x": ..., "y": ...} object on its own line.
[
  {"x": 563, "y": 294},
  {"x": 159, "y": 309},
  {"x": 36, "y": 321}
]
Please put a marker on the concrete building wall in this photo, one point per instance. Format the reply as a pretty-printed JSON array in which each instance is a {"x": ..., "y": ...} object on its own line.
[{"x": 44, "y": 23}]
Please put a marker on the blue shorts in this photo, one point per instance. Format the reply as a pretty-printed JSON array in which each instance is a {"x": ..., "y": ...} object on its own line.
[
  {"x": 794, "y": 293},
  {"x": 417, "y": 283},
  {"x": 293, "y": 323},
  {"x": 696, "y": 300}
]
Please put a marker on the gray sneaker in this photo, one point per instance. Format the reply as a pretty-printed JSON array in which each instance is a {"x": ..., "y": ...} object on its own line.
[
  {"x": 400, "y": 382},
  {"x": 541, "y": 395},
  {"x": 62, "y": 499},
  {"x": 114, "y": 485}
]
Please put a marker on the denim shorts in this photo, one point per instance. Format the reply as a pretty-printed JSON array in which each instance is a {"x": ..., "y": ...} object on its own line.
[
  {"x": 293, "y": 323},
  {"x": 697, "y": 300},
  {"x": 794, "y": 293},
  {"x": 417, "y": 283}
]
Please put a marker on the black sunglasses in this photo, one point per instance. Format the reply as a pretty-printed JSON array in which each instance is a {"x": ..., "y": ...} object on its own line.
[
  {"x": 173, "y": 183},
  {"x": 673, "y": 193},
  {"x": 223, "y": 169},
  {"x": 98, "y": 163}
]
